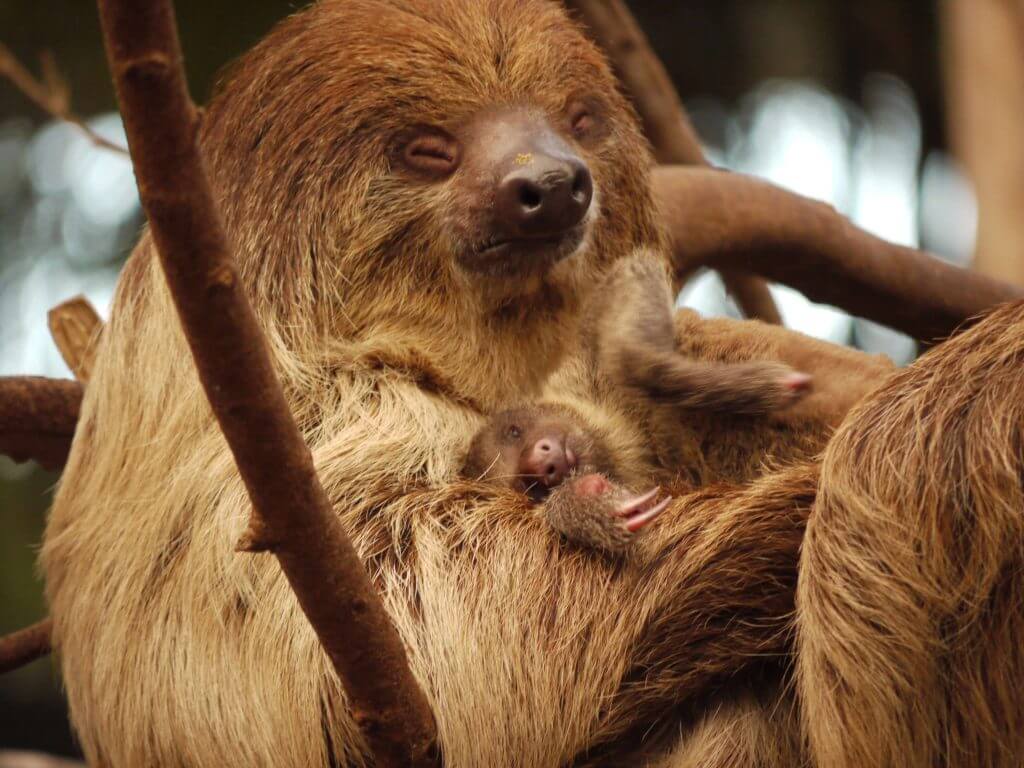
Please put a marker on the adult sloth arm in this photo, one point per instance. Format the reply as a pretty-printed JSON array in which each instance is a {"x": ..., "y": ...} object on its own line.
[
  {"x": 502, "y": 616},
  {"x": 176, "y": 649}
]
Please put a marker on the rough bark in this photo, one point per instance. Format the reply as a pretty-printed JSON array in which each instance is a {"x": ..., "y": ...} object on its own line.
[
  {"x": 235, "y": 369},
  {"x": 37, "y": 418}
]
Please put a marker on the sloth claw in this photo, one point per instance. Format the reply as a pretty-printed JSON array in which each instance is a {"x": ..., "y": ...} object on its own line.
[
  {"x": 638, "y": 511},
  {"x": 637, "y": 522},
  {"x": 634, "y": 504}
]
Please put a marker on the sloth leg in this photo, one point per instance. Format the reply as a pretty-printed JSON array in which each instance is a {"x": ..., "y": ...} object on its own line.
[{"x": 910, "y": 607}]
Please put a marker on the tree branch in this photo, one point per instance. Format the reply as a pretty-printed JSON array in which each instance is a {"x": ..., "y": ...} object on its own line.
[
  {"x": 25, "y": 646},
  {"x": 17, "y": 759},
  {"x": 51, "y": 94},
  {"x": 719, "y": 219},
  {"x": 76, "y": 327},
  {"x": 235, "y": 369},
  {"x": 664, "y": 119},
  {"x": 37, "y": 418}
]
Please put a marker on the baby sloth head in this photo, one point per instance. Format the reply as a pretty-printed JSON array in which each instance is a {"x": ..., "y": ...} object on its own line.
[{"x": 533, "y": 449}]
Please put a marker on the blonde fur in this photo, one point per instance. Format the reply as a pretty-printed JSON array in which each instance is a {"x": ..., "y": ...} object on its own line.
[
  {"x": 176, "y": 650},
  {"x": 750, "y": 731}
]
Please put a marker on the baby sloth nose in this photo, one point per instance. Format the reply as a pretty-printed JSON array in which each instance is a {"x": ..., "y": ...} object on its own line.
[
  {"x": 543, "y": 195},
  {"x": 548, "y": 461}
]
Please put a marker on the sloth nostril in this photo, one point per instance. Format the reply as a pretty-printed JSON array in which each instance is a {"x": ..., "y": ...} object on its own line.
[
  {"x": 544, "y": 447},
  {"x": 530, "y": 197},
  {"x": 544, "y": 199},
  {"x": 582, "y": 186}
]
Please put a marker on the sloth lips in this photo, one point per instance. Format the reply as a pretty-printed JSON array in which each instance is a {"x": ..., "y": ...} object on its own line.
[{"x": 500, "y": 256}]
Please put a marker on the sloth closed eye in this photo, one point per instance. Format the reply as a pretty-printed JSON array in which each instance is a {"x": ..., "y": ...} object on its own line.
[{"x": 426, "y": 151}]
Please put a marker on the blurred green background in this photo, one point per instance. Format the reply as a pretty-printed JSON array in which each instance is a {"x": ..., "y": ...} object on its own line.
[{"x": 783, "y": 88}]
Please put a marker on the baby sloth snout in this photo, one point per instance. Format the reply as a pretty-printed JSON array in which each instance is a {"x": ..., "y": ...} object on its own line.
[{"x": 549, "y": 460}]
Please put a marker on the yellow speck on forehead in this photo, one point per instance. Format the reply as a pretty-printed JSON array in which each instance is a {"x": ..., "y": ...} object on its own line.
[{"x": 524, "y": 158}]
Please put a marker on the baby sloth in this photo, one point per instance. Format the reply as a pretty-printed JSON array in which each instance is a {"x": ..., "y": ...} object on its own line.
[
  {"x": 584, "y": 463},
  {"x": 553, "y": 455}
]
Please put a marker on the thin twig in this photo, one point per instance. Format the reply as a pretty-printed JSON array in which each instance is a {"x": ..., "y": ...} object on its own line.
[
  {"x": 25, "y": 646},
  {"x": 51, "y": 94},
  {"x": 235, "y": 368},
  {"x": 719, "y": 219},
  {"x": 38, "y": 418},
  {"x": 665, "y": 121}
]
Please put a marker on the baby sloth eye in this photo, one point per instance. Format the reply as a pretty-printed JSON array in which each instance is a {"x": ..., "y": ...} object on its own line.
[
  {"x": 514, "y": 432},
  {"x": 426, "y": 151}
]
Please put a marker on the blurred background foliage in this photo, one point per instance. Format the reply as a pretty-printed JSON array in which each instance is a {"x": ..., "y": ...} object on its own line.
[{"x": 843, "y": 100}]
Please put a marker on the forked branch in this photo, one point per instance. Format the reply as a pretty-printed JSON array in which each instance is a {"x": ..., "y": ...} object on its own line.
[
  {"x": 719, "y": 219},
  {"x": 37, "y": 418},
  {"x": 235, "y": 369},
  {"x": 665, "y": 121},
  {"x": 51, "y": 94}
]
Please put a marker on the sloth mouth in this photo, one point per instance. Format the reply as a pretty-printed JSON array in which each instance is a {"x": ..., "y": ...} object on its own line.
[{"x": 499, "y": 255}]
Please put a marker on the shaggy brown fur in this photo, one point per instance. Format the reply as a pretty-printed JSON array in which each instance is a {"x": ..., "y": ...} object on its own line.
[
  {"x": 629, "y": 340},
  {"x": 178, "y": 651},
  {"x": 911, "y": 629},
  {"x": 629, "y": 330},
  {"x": 694, "y": 447},
  {"x": 753, "y": 730},
  {"x": 558, "y": 458}
]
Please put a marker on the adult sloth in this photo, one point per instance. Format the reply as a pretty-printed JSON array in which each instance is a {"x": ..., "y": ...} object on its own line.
[{"x": 420, "y": 194}]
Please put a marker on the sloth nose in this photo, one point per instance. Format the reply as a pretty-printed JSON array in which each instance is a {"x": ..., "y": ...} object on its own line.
[
  {"x": 544, "y": 196},
  {"x": 547, "y": 461}
]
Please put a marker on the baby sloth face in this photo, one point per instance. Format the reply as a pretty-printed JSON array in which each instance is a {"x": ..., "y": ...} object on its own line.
[
  {"x": 533, "y": 449},
  {"x": 552, "y": 454}
]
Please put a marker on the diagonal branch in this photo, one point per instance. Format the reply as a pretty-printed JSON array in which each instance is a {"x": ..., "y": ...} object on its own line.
[
  {"x": 665, "y": 121},
  {"x": 25, "y": 646},
  {"x": 235, "y": 369},
  {"x": 37, "y": 418},
  {"x": 719, "y": 219}
]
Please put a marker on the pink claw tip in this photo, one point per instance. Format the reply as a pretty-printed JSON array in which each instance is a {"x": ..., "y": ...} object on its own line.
[
  {"x": 636, "y": 522},
  {"x": 637, "y": 503}
]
